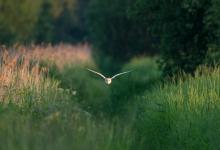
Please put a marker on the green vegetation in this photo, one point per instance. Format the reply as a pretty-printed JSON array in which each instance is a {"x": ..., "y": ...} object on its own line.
[
  {"x": 57, "y": 131},
  {"x": 53, "y": 21},
  {"x": 44, "y": 27},
  {"x": 169, "y": 100},
  {"x": 109, "y": 100},
  {"x": 183, "y": 114},
  {"x": 185, "y": 33},
  {"x": 116, "y": 37},
  {"x": 74, "y": 109},
  {"x": 188, "y": 31},
  {"x": 92, "y": 93},
  {"x": 36, "y": 113},
  {"x": 125, "y": 90}
]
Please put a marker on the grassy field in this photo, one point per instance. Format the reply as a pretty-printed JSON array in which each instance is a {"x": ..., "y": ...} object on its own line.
[{"x": 48, "y": 100}]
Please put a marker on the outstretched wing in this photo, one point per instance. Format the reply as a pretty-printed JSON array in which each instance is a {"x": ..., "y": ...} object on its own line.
[
  {"x": 120, "y": 74},
  {"x": 96, "y": 73}
]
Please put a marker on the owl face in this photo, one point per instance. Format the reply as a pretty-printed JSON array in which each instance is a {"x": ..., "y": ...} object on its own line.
[{"x": 108, "y": 80}]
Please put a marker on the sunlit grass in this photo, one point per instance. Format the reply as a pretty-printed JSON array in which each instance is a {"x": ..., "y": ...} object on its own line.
[
  {"x": 22, "y": 82},
  {"x": 36, "y": 113},
  {"x": 45, "y": 106},
  {"x": 60, "y": 55},
  {"x": 183, "y": 114}
]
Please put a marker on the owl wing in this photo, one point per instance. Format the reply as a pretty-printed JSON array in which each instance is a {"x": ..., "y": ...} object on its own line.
[
  {"x": 120, "y": 74},
  {"x": 97, "y": 73}
]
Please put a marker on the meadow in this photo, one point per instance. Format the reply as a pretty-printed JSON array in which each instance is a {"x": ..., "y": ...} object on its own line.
[{"x": 48, "y": 100}]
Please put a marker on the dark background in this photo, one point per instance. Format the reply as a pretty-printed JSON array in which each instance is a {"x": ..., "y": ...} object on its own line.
[{"x": 185, "y": 33}]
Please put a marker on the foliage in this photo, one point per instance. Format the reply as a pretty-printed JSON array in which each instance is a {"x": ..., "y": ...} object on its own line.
[
  {"x": 183, "y": 114},
  {"x": 36, "y": 111},
  {"x": 17, "y": 19},
  {"x": 44, "y": 26},
  {"x": 212, "y": 25},
  {"x": 41, "y": 21},
  {"x": 124, "y": 90},
  {"x": 68, "y": 111},
  {"x": 115, "y": 36},
  {"x": 186, "y": 29},
  {"x": 116, "y": 99},
  {"x": 36, "y": 114},
  {"x": 92, "y": 93},
  {"x": 61, "y": 129},
  {"x": 70, "y": 23}
]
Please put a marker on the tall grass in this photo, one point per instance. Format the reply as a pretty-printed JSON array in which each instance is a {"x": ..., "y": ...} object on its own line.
[
  {"x": 182, "y": 115},
  {"x": 61, "y": 131},
  {"x": 61, "y": 54},
  {"x": 35, "y": 113},
  {"x": 93, "y": 94},
  {"x": 144, "y": 75},
  {"x": 22, "y": 82},
  {"x": 110, "y": 100},
  {"x": 70, "y": 108}
]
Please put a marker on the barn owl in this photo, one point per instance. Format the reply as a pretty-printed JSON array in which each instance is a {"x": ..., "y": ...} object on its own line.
[{"x": 108, "y": 80}]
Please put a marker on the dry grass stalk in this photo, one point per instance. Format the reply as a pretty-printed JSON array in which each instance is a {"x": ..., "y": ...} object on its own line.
[
  {"x": 16, "y": 74},
  {"x": 61, "y": 54}
]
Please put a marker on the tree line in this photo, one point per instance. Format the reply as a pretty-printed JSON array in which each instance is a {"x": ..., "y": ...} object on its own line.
[
  {"x": 185, "y": 33},
  {"x": 42, "y": 21}
]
